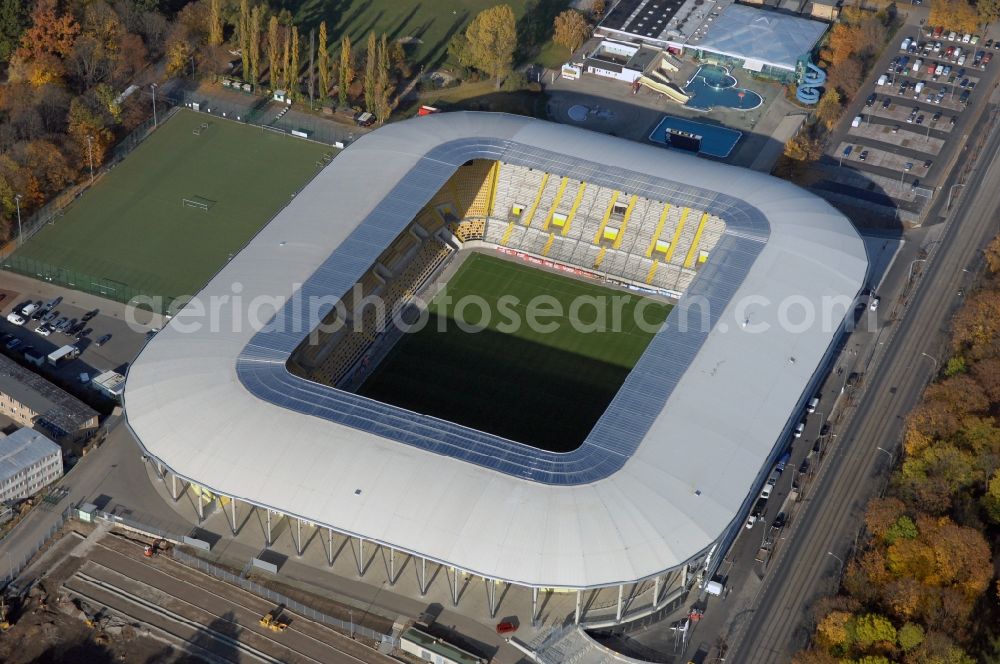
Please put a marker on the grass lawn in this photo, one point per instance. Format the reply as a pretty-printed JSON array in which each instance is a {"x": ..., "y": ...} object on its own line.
[
  {"x": 429, "y": 25},
  {"x": 552, "y": 55},
  {"x": 132, "y": 229},
  {"x": 545, "y": 388}
]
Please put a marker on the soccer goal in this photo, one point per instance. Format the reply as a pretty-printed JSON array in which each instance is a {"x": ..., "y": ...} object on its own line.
[
  {"x": 197, "y": 131},
  {"x": 198, "y": 203}
]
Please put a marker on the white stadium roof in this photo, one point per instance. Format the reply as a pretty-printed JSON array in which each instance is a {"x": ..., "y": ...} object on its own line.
[{"x": 667, "y": 470}]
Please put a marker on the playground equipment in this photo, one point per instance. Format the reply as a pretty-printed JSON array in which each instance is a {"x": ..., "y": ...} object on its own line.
[
  {"x": 812, "y": 79},
  {"x": 662, "y": 85}
]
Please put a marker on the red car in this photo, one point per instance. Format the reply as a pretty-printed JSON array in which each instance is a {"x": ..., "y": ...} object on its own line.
[{"x": 506, "y": 627}]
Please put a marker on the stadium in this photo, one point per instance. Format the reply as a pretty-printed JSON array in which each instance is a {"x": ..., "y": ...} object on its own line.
[{"x": 613, "y": 464}]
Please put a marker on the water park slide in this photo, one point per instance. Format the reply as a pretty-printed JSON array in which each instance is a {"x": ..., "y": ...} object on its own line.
[{"x": 668, "y": 89}]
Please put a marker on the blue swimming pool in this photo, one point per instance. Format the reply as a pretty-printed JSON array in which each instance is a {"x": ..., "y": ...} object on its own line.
[
  {"x": 716, "y": 141},
  {"x": 712, "y": 86}
]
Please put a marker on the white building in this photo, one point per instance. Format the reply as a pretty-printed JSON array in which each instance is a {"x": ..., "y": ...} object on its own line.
[{"x": 28, "y": 462}]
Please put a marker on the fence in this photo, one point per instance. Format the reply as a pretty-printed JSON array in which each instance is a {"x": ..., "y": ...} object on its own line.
[
  {"x": 101, "y": 286},
  {"x": 262, "y": 112},
  {"x": 297, "y": 607},
  {"x": 15, "y": 567}
]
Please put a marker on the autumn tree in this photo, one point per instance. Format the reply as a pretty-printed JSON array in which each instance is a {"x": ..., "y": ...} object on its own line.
[
  {"x": 286, "y": 60},
  {"x": 346, "y": 71},
  {"x": 13, "y": 20},
  {"x": 273, "y": 53},
  {"x": 256, "y": 22},
  {"x": 293, "y": 76},
  {"x": 490, "y": 42},
  {"x": 371, "y": 69},
  {"x": 988, "y": 10},
  {"x": 323, "y": 63},
  {"x": 571, "y": 30},
  {"x": 829, "y": 108},
  {"x": 45, "y": 44},
  {"x": 958, "y": 15},
  {"x": 88, "y": 134},
  {"x": 244, "y": 31},
  {"x": 215, "y": 23},
  {"x": 383, "y": 84},
  {"x": 597, "y": 8}
]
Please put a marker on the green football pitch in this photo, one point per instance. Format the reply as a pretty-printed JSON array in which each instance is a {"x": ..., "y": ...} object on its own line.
[
  {"x": 132, "y": 229},
  {"x": 544, "y": 387}
]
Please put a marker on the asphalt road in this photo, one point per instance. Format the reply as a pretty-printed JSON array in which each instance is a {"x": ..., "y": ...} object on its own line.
[{"x": 809, "y": 565}]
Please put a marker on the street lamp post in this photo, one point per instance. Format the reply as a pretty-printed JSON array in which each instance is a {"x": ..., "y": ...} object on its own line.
[
  {"x": 20, "y": 235},
  {"x": 932, "y": 359},
  {"x": 837, "y": 558},
  {"x": 887, "y": 453},
  {"x": 952, "y": 191},
  {"x": 153, "y": 87}
]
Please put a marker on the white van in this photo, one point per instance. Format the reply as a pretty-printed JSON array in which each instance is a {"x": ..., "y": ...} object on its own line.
[
  {"x": 906, "y": 44},
  {"x": 882, "y": 80},
  {"x": 917, "y": 88},
  {"x": 29, "y": 309},
  {"x": 857, "y": 121},
  {"x": 918, "y": 64},
  {"x": 811, "y": 408}
]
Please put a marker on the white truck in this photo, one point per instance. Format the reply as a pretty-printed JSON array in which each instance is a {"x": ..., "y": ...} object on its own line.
[{"x": 64, "y": 354}]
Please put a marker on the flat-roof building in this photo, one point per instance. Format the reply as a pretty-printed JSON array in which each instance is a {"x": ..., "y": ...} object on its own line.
[
  {"x": 772, "y": 43},
  {"x": 28, "y": 462},
  {"x": 32, "y": 401}
]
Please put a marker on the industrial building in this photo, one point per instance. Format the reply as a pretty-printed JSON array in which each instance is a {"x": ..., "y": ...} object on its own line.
[
  {"x": 28, "y": 462},
  {"x": 641, "y": 510}
]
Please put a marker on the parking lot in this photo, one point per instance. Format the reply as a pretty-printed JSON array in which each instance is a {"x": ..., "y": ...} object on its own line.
[
  {"x": 903, "y": 132},
  {"x": 119, "y": 342}
]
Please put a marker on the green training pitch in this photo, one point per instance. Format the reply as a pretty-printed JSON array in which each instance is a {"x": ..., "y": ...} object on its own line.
[
  {"x": 541, "y": 387},
  {"x": 133, "y": 229},
  {"x": 427, "y": 27}
]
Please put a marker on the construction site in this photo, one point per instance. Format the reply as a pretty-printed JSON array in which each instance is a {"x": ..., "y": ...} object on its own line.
[{"x": 102, "y": 593}]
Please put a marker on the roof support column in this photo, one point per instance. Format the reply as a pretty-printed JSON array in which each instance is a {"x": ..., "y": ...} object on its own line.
[
  {"x": 201, "y": 506},
  {"x": 173, "y": 487},
  {"x": 361, "y": 557},
  {"x": 576, "y": 618},
  {"x": 269, "y": 541},
  {"x": 422, "y": 578},
  {"x": 534, "y": 605},
  {"x": 232, "y": 502},
  {"x": 454, "y": 588},
  {"x": 684, "y": 576},
  {"x": 298, "y": 539},
  {"x": 160, "y": 470},
  {"x": 656, "y": 593},
  {"x": 329, "y": 541},
  {"x": 392, "y": 567},
  {"x": 618, "y": 611},
  {"x": 491, "y": 591}
]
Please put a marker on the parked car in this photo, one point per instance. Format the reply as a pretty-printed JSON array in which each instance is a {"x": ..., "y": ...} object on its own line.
[
  {"x": 895, "y": 129},
  {"x": 90, "y": 314},
  {"x": 953, "y": 120},
  {"x": 964, "y": 83},
  {"x": 986, "y": 60},
  {"x": 43, "y": 329},
  {"x": 920, "y": 119},
  {"x": 863, "y": 156},
  {"x": 871, "y": 99},
  {"x": 13, "y": 343},
  {"x": 49, "y": 316},
  {"x": 66, "y": 325},
  {"x": 873, "y": 305},
  {"x": 964, "y": 98},
  {"x": 780, "y": 520},
  {"x": 103, "y": 340},
  {"x": 887, "y": 102},
  {"x": 59, "y": 321},
  {"x": 936, "y": 117},
  {"x": 83, "y": 333},
  {"x": 15, "y": 318},
  {"x": 928, "y": 163}
]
